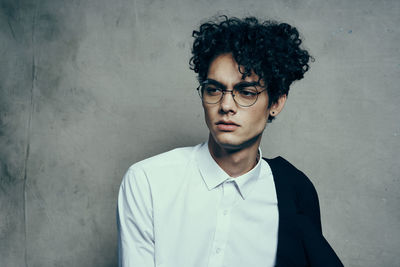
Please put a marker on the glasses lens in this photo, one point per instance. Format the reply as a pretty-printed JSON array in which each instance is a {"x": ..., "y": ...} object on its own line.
[
  {"x": 246, "y": 96},
  {"x": 210, "y": 93}
]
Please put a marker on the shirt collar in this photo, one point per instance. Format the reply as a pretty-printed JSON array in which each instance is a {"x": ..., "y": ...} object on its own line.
[{"x": 213, "y": 175}]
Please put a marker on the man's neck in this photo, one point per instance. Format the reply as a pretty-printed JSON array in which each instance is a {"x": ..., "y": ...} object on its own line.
[{"x": 235, "y": 162}]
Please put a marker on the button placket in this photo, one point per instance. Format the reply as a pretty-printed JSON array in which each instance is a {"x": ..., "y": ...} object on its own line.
[{"x": 223, "y": 224}]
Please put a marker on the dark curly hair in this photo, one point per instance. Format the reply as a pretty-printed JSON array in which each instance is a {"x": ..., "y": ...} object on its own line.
[{"x": 270, "y": 49}]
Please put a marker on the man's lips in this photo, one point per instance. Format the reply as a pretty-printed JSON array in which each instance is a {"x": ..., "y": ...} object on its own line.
[
  {"x": 227, "y": 126},
  {"x": 226, "y": 122}
]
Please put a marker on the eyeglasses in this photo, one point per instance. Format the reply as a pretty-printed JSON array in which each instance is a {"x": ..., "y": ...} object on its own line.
[{"x": 244, "y": 94}]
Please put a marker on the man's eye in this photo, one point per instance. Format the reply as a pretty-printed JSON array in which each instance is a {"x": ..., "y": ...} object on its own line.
[
  {"x": 248, "y": 92},
  {"x": 212, "y": 90}
]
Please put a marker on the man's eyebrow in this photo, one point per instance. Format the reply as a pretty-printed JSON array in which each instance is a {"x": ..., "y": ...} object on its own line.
[
  {"x": 245, "y": 83},
  {"x": 216, "y": 83},
  {"x": 240, "y": 84}
]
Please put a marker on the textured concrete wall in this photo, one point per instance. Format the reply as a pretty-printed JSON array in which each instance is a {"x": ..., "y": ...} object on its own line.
[{"x": 89, "y": 87}]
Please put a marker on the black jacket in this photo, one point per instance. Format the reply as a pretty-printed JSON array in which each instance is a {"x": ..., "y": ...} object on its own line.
[{"x": 300, "y": 239}]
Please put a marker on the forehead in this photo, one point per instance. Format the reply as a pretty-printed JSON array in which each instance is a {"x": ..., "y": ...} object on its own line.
[{"x": 225, "y": 70}]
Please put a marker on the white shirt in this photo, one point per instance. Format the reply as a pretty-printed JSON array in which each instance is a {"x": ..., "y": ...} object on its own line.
[{"x": 180, "y": 209}]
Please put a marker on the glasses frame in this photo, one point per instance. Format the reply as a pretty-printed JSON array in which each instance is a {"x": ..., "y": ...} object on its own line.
[{"x": 224, "y": 91}]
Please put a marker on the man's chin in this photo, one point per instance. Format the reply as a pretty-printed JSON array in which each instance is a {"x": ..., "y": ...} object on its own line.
[
  {"x": 230, "y": 146},
  {"x": 233, "y": 145}
]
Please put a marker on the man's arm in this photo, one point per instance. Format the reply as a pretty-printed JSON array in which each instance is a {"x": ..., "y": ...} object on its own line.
[{"x": 135, "y": 221}]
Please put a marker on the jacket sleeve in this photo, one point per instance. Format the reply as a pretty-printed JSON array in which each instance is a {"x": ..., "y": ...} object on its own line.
[
  {"x": 308, "y": 219},
  {"x": 317, "y": 248},
  {"x": 308, "y": 203},
  {"x": 135, "y": 221}
]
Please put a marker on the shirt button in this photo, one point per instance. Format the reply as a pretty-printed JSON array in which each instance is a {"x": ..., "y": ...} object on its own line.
[{"x": 218, "y": 250}]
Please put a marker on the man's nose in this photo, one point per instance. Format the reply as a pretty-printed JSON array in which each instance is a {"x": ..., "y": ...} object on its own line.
[{"x": 228, "y": 103}]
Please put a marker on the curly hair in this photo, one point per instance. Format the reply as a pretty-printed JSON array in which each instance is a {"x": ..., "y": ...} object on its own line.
[{"x": 269, "y": 49}]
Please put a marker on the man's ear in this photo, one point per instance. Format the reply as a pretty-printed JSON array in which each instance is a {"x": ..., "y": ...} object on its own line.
[{"x": 277, "y": 107}]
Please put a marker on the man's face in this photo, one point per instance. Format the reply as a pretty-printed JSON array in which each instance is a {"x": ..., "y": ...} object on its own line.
[{"x": 232, "y": 126}]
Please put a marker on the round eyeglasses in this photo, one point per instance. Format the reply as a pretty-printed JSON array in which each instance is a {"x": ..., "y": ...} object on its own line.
[{"x": 244, "y": 94}]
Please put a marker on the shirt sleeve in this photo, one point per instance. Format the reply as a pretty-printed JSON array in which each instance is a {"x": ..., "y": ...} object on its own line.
[{"x": 135, "y": 221}]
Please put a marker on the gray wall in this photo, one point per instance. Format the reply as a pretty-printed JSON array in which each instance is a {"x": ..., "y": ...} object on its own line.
[{"x": 88, "y": 87}]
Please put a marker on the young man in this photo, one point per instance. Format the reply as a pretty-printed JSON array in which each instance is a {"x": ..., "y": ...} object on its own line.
[{"x": 220, "y": 203}]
